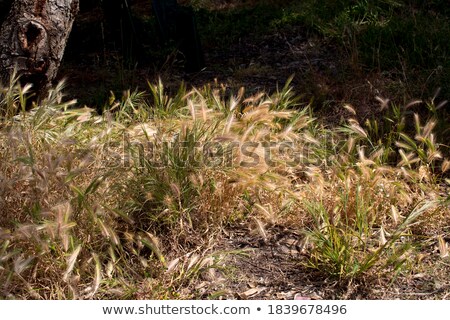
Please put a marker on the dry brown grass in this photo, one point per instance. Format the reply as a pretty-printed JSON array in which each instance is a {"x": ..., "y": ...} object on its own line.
[{"x": 86, "y": 212}]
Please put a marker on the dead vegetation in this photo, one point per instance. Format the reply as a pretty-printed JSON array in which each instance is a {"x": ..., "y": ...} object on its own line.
[{"x": 198, "y": 193}]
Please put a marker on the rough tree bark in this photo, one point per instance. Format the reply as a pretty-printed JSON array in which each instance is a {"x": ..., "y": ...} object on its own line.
[{"x": 33, "y": 38}]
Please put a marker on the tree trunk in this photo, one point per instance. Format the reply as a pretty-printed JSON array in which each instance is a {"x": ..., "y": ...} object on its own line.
[{"x": 33, "y": 38}]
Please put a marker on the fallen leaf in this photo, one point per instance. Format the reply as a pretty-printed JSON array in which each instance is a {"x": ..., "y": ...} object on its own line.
[
  {"x": 300, "y": 297},
  {"x": 251, "y": 292}
]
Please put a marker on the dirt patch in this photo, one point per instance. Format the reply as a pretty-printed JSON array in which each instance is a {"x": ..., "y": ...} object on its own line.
[{"x": 275, "y": 269}]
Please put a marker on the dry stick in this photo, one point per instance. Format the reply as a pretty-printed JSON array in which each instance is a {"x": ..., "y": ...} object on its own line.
[{"x": 420, "y": 294}]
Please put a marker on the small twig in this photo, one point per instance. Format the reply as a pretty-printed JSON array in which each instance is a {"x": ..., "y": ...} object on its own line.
[
  {"x": 261, "y": 268},
  {"x": 420, "y": 294}
]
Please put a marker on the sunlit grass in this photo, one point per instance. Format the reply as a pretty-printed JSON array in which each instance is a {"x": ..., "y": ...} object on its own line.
[{"x": 132, "y": 203}]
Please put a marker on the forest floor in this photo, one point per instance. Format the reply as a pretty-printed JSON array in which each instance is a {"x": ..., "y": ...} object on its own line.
[
  {"x": 273, "y": 269},
  {"x": 258, "y": 62}
]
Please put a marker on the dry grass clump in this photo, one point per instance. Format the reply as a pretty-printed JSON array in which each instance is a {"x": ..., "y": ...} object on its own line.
[
  {"x": 131, "y": 204},
  {"x": 369, "y": 196}
]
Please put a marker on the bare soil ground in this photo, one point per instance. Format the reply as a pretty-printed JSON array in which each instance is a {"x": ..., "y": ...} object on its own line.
[{"x": 275, "y": 269}]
